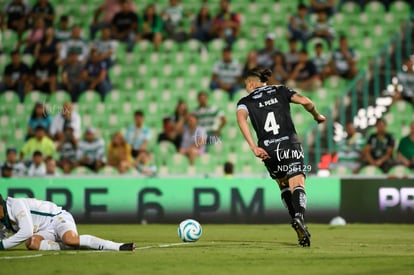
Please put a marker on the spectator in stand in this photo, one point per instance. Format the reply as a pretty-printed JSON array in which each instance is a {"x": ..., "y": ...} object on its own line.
[
  {"x": 119, "y": 154},
  {"x": 15, "y": 167},
  {"x": 37, "y": 168},
  {"x": 304, "y": 75},
  {"x": 145, "y": 166},
  {"x": 379, "y": 148},
  {"x": 169, "y": 133},
  {"x": 72, "y": 76},
  {"x": 299, "y": 25},
  {"x": 16, "y": 12},
  {"x": 228, "y": 169},
  {"x": 406, "y": 79},
  {"x": 323, "y": 29},
  {"x": 251, "y": 62},
  {"x": 151, "y": 27},
  {"x": 202, "y": 24},
  {"x": 35, "y": 36},
  {"x": 49, "y": 44},
  {"x": 181, "y": 111},
  {"x": 265, "y": 55},
  {"x": 292, "y": 55},
  {"x": 67, "y": 117},
  {"x": 106, "y": 47},
  {"x": 62, "y": 30},
  {"x": 95, "y": 75},
  {"x": 44, "y": 73},
  {"x": 40, "y": 142},
  {"x": 91, "y": 151},
  {"x": 42, "y": 9},
  {"x": 138, "y": 135},
  {"x": 67, "y": 148},
  {"x": 320, "y": 59},
  {"x": 343, "y": 61},
  {"x": 75, "y": 43},
  {"x": 209, "y": 117},
  {"x": 40, "y": 116},
  {"x": 16, "y": 75},
  {"x": 327, "y": 6},
  {"x": 226, "y": 24},
  {"x": 349, "y": 148},
  {"x": 109, "y": 8},
  {"x": 226, "y": 74},
  {"x": 172, "y": 17},
  {"x": 280, "y": 70},
  {"x": 405, "y": 151},
  {"x": 125, "y": 25},
  {"x": 51, "y": 168},
  {"x": 194, "y": 138}
]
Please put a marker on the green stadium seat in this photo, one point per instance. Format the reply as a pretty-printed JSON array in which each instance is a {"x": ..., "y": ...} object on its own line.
[
  {"x": 59, "y": 97},
  {"x": 82, "y": 170},
  {"x": 400, "y": 171},
  {"x": 32, "y": 98},
  {"x": 88, "y": 100},
  {"x": 370, "y": 170},
  {"x": 108, "y": 170},
  {"x": 341, "y": 171},
  {"x": 401, "y": 10},
  {"x": 350, "y": 8},
  {"x": 9, "y": 100},
  {"x": 375, "y": 10}
]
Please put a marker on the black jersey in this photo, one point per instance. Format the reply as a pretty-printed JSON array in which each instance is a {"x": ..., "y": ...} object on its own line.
[{"x": 269, "y": 112}]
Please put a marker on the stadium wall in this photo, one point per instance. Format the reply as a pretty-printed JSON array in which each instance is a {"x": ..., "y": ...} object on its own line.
[{"x": 236, "y": 200}]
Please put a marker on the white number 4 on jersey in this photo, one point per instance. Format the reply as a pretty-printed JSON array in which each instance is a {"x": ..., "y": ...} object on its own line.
[{"x": 271, "y": 124}]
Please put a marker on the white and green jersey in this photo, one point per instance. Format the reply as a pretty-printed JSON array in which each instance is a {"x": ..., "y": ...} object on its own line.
[
  {"x": 26, "y": 217},
  {"x": 105, "y": 46},
  {"x": 320, "y": 62},
  {"x": 175, "y": 13},
  {"x": 340, "y": 62},
  {"x": 62, "y": 35},
  {"x": 208, "y": 118},
  {"x": 77, "y": 45},
  {"x": 228, "y": 73},
  {"x": 349, "y": 148},
  {"x": 94, "y": 150}
]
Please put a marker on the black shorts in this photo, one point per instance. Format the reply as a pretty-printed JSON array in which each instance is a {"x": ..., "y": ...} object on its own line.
[{"x": 286, "y": 160}]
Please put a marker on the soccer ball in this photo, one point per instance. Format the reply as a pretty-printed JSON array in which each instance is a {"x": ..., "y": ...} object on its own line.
[{"x": 189, "y": 230}]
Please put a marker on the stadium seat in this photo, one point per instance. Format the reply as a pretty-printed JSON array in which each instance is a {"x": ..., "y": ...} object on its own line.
[
  {"x": 9, "y": 100},
  {"x": 370, "y": 170},
  {"x": 59, "y": 97},
  {"x": 350, "y": 8},
  {"x": 341, "y": 171},
  {"x": 82, "y": 170},
  {"x": 400, "y": 10},
  {"x": 108, "y": 170},
  {"x": 32, "y": 98},
  {"x": 400, "y": 171}
]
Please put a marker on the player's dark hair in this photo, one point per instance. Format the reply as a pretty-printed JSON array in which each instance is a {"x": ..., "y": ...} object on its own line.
[
  {"x": 319, "y": 45},
  {"x": 302, "y": 6},
  {"x": 379, "y": 121},
  {"x": 45, "y": 113},
  {"x": 262, "y": 73},
  {"x": 64, "y": 18},
  {"x": 37, "y": 154}
]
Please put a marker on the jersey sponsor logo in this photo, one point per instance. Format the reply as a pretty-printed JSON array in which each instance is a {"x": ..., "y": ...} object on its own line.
[
  {"x": 267, "y": 142},
  {"x": 268, "y": 102}
]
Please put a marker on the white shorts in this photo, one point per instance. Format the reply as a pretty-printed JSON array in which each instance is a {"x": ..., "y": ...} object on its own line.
[{"x": 59, "y": 225}]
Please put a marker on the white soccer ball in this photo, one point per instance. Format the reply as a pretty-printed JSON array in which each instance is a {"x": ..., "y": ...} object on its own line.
[{"x": 189, "y": 230}]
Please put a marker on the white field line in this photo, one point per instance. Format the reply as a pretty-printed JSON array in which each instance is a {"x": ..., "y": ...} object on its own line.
[
  {"x": 89, "y": 251},
  {"x": 20, "y": 257},
  {"x": 160, "y": 246}
]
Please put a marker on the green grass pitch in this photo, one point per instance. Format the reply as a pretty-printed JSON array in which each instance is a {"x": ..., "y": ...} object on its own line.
[{"x": 229, "y": 249}]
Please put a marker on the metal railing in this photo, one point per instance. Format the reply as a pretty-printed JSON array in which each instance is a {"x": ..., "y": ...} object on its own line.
[{"x": 356, "y": 95}]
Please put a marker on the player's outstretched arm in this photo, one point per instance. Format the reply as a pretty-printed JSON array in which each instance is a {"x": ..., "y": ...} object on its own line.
[
  {"x": 309, "y": 106},
  {"x": 245, "y": 129}
]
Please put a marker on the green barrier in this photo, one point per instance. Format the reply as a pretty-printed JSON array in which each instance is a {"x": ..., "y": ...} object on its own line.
[{"x": 131, "y": 200}]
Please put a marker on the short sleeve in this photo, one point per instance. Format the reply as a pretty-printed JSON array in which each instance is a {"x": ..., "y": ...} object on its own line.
[
  {"x": 391, "y": 141},
  {"x": 241, "y": 105},
  {"x": 289, "y": 93},
  {"x": 370, "y": 138}
]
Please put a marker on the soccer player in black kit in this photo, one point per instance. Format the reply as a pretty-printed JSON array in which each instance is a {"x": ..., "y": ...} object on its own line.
[{"x": 278, "y": 146}]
